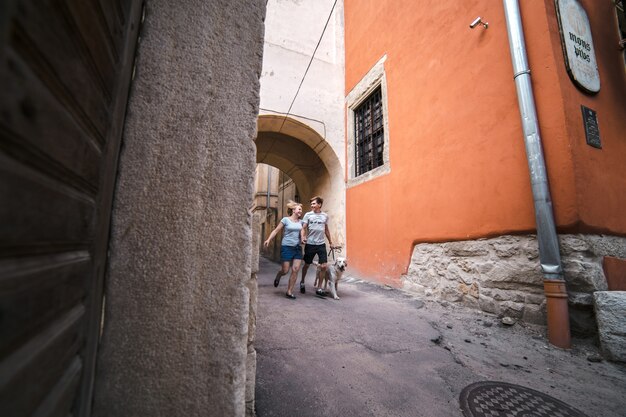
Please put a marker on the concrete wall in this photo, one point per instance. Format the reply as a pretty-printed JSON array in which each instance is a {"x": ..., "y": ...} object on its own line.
[
  {"x": 293, "y": 29},
  {"x": 180, "y": 296}
]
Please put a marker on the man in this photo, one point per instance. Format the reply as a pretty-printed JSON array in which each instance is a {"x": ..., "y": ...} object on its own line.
[{"x": 314, "y": 228}]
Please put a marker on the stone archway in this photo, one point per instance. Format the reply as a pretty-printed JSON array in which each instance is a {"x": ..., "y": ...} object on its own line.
[{"x": 304, "y": 155}]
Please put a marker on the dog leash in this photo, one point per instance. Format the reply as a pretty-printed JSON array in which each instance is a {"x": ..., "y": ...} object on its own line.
[{"x": 332, "y": 251}]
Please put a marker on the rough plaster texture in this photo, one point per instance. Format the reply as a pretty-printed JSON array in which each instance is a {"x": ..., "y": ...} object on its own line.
[
  {"x": 610, "y": 313},
  {"x": 502, "y": 275},
  {"x": 293, "y": 29},
  {"x": 179, "y": 290}
]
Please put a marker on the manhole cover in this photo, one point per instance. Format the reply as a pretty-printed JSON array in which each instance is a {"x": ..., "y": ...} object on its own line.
[{"x": 499, "y": 399}]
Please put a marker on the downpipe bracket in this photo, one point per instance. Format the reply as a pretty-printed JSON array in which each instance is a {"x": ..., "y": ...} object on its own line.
[{"x": 521, "y": 73}]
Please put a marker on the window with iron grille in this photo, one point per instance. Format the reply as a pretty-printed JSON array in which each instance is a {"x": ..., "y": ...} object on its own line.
[
  {"x": 369, "y": 133},
  {"x": 621, "y": 24}
]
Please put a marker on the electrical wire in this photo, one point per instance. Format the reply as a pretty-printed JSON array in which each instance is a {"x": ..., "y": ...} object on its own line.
[
  {"x": 319, "y": 41},
  {"x": 301, "y": 117}
]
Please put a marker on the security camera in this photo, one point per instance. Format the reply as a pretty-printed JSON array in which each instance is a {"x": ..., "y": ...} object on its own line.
[{"x": 478, "y": 21}]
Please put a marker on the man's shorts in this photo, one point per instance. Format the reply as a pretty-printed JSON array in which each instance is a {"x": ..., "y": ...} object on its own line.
[
  {"x": 288, "y": 253},
  {"x": 311, "y": 250}
]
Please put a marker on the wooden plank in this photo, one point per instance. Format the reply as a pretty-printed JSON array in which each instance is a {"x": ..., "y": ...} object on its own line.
[
  {"x": 39, "y": 209},
  {"x": 95, "y": 300},
  {"x": 29, "y": 374},
  {"x": 123, "y": 10},
  {"x": 33, "y": 295},
  {"x": 93, "y": 40},
  {"x": 13, "y": 271},
  {"x": 59, "y": 401},
  {"x": 35, "y": 130},
  {"x": 67, "y": 65},
  {"x": 113, "y": 23},
  {"x": 41, "y": 37}
]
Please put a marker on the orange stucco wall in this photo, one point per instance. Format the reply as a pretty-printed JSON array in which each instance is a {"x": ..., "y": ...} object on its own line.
[{"x": 457, "y": 157}]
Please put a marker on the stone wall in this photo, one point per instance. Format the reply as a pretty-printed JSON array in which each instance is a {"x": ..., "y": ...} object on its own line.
[
  {"x": 180, "y": 289},
  {"x": 502, "y": 275},
  {"x": 253, "y": 288},
  {"x": 610, "y": 311}
]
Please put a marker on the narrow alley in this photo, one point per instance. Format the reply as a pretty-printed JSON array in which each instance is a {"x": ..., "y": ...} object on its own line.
[{"x": 383, "y": 352}]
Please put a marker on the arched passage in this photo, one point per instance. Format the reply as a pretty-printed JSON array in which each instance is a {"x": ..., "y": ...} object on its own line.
[{"x": 304, "y": 155}]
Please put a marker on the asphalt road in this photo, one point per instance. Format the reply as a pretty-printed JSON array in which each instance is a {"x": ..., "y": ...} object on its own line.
[{"x": 383, "y": 352}]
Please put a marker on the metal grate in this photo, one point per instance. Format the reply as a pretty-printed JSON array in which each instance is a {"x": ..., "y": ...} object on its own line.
[
  {"x": 500, "y": 399},
  {"x": 369, "y": 131}
]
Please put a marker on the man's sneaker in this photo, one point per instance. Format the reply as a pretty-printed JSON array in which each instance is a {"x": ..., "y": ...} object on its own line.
[{"x": 302, "y": 290}]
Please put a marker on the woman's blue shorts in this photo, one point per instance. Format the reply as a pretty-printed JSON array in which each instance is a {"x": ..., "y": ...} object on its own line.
[{"x": 288, "y": 253}]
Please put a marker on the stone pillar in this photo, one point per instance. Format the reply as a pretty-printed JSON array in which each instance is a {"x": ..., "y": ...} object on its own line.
[
  {"x": 253, "y": 289},
  {"x": 178, "y": 301}
]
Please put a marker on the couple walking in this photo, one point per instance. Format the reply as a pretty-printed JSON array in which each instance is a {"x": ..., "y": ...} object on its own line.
[{"x": 310, "y": 230}]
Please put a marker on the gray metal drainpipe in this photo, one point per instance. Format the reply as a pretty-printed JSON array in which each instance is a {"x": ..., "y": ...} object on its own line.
[{"x": 550, "y": 258}]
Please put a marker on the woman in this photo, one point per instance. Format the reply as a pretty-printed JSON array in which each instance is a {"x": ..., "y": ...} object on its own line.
[{"x": 290, "y": 250}]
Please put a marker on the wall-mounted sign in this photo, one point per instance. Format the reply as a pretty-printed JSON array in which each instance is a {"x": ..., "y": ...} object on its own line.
[
  {"x": 592, "y": 131},
  {"x": 580, "y": 56}
]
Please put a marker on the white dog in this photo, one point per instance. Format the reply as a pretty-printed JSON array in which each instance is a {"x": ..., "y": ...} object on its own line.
[{"x": 333, "y": 275}]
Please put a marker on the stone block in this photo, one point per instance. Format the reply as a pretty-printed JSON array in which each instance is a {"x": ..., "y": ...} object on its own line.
[
  {"x": 256, "y": 237},
  {"x": 571, "y": 244},
  {"x": 250, "y": 382},
  {"x": 534, "y": 313},
  {"x": 453, "y": 272},
  {"x": 610, "y": 309},
  {"x": 579, "y": 298},
  {"x": 507, "y": 249},
  {"x": 583, "y": 274},
  {"x": 412, "y": 287},
  {"x": 470, "y": 302},
  {"x": 534, "y": 298},
  {"x": 470, "y": 290},
  {"x": 604, "y": 245},
  {"x": 488, "y": 304},
  {"x": 484, "y": 266},
  {"x": 467, "y": 265},
  {"x": 451, "y": 294},
  {"x": 504, "y": 295},
  {"x": 253, "y": 289},
  {"x": 512, "y": 309},
  {"x": 466, "y": 248}
]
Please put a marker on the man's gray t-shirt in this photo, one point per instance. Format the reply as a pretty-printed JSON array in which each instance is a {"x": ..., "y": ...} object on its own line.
[{"x": 316, "y": 224}]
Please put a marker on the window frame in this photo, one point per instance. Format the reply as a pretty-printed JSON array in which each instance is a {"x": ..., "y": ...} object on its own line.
[
  {"x": 620, "y": 16},
  {"x": 367, "y": 140},
  {"x": 374, "y": 79}
]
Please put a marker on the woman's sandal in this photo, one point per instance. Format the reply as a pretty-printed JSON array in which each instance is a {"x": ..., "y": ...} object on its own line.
[{"x": 276, "y": 281}]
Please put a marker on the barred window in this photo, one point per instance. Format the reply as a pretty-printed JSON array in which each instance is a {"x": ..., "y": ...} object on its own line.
[
  {"x": 369, "y": 133},
  {"x": 621, "y": 24}
]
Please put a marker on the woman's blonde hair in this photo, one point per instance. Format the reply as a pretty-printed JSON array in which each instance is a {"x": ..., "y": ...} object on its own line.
[{"x": 292, "y": 205}]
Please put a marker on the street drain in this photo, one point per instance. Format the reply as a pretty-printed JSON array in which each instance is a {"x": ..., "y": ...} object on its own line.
[{"x": 499, "y": 399}]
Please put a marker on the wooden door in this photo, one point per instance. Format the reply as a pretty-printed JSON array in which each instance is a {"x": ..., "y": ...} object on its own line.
[{"x": 65, "y": 70}]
